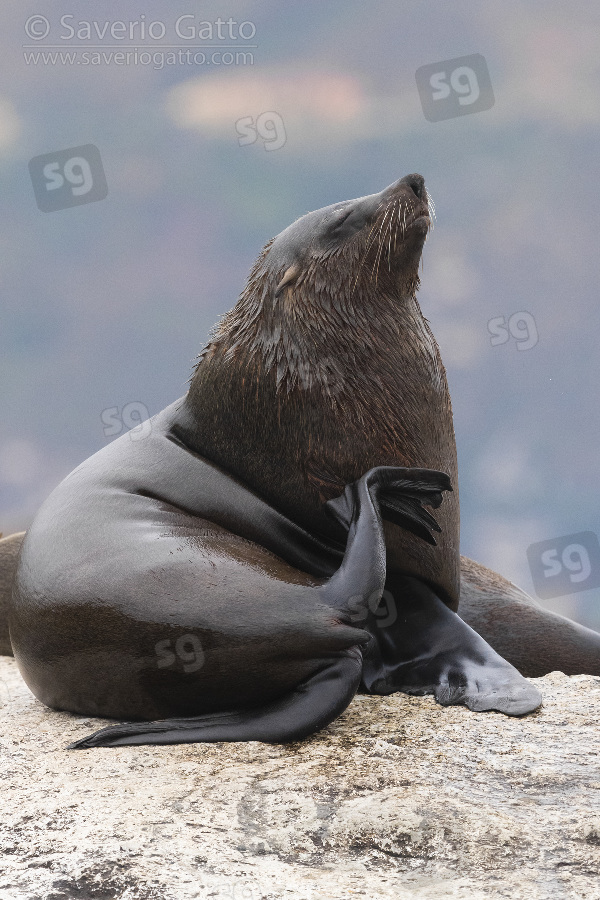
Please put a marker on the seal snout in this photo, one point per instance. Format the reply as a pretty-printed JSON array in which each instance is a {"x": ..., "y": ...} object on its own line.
[
  {"x": 408, "y": 188},
  {"x": 409, "y": 195},
  {"x": 416, "y": 183},
  {"x": 404, "y": 218}
]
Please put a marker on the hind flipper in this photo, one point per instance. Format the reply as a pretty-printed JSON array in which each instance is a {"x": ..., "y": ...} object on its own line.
[
  {"x": 425, "y": 648},
  {"x": 535, "y": 640},
  {"x": 9, "y": 552},
  {"x": 311, "y": 706}
]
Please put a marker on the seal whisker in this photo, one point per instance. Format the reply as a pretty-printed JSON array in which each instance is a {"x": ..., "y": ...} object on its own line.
[
  {"x": 361, "y": 264},
  {"x": 375, "y": 262},
  {"x": 381, "y": 242},
  {"x": 369, "y": 243},
  {"x": 391, "y": 222},
  {"x": 377, "y": 259},
  {"x": 431, "y": 208},
  {"x": 397, "y": 226}
]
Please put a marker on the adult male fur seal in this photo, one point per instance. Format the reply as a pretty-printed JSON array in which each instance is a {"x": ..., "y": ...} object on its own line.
[{"x": 231, "y": 574}]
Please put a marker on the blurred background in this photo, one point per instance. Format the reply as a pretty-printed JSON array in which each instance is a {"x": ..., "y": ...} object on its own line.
[{"x": 228, "y": 120}]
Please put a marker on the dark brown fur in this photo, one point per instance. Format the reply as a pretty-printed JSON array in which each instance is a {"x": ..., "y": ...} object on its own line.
[
  {"x": 535, "y": 640},
  {"x": 300, "y": 394}
]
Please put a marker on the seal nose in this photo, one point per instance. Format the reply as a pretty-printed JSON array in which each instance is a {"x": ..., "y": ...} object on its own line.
[{"x": 416, "y": 183}]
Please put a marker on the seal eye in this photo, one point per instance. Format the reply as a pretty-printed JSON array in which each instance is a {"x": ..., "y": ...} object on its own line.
[
  {"x": 349, "y": 221},
  {"x": 337, "y": 223}
]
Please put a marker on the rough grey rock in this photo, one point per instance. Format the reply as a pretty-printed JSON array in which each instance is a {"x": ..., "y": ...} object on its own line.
[{"x": 399, "y": 798}]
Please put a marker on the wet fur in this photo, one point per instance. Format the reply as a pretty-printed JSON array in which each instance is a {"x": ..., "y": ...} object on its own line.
[{"x": 298, "y": 395}]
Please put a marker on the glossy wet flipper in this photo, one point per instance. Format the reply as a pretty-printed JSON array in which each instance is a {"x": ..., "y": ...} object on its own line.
[
  {"x": 313, "y": 705},
  {"x": 425, "y": 648}
]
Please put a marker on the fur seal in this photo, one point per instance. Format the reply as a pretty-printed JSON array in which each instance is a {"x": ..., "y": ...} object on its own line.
[{"x": 226, "y": 575}]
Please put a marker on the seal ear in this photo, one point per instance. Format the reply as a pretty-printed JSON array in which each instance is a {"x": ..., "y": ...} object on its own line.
[{"x": 289, "y": 276}]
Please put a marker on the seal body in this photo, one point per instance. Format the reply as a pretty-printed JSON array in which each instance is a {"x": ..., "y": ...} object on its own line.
[
  {"x": 229, "y": 572},
  {"x": 141, "y": 592},
  {"x": 184, "y": 594}
]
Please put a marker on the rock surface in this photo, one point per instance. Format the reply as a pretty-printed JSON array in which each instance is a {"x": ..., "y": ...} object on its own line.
[{"x": 399, "y": 798}]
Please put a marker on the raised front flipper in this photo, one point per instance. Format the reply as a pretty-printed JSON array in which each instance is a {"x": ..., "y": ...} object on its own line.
[{"x": 400, "y": 494}]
